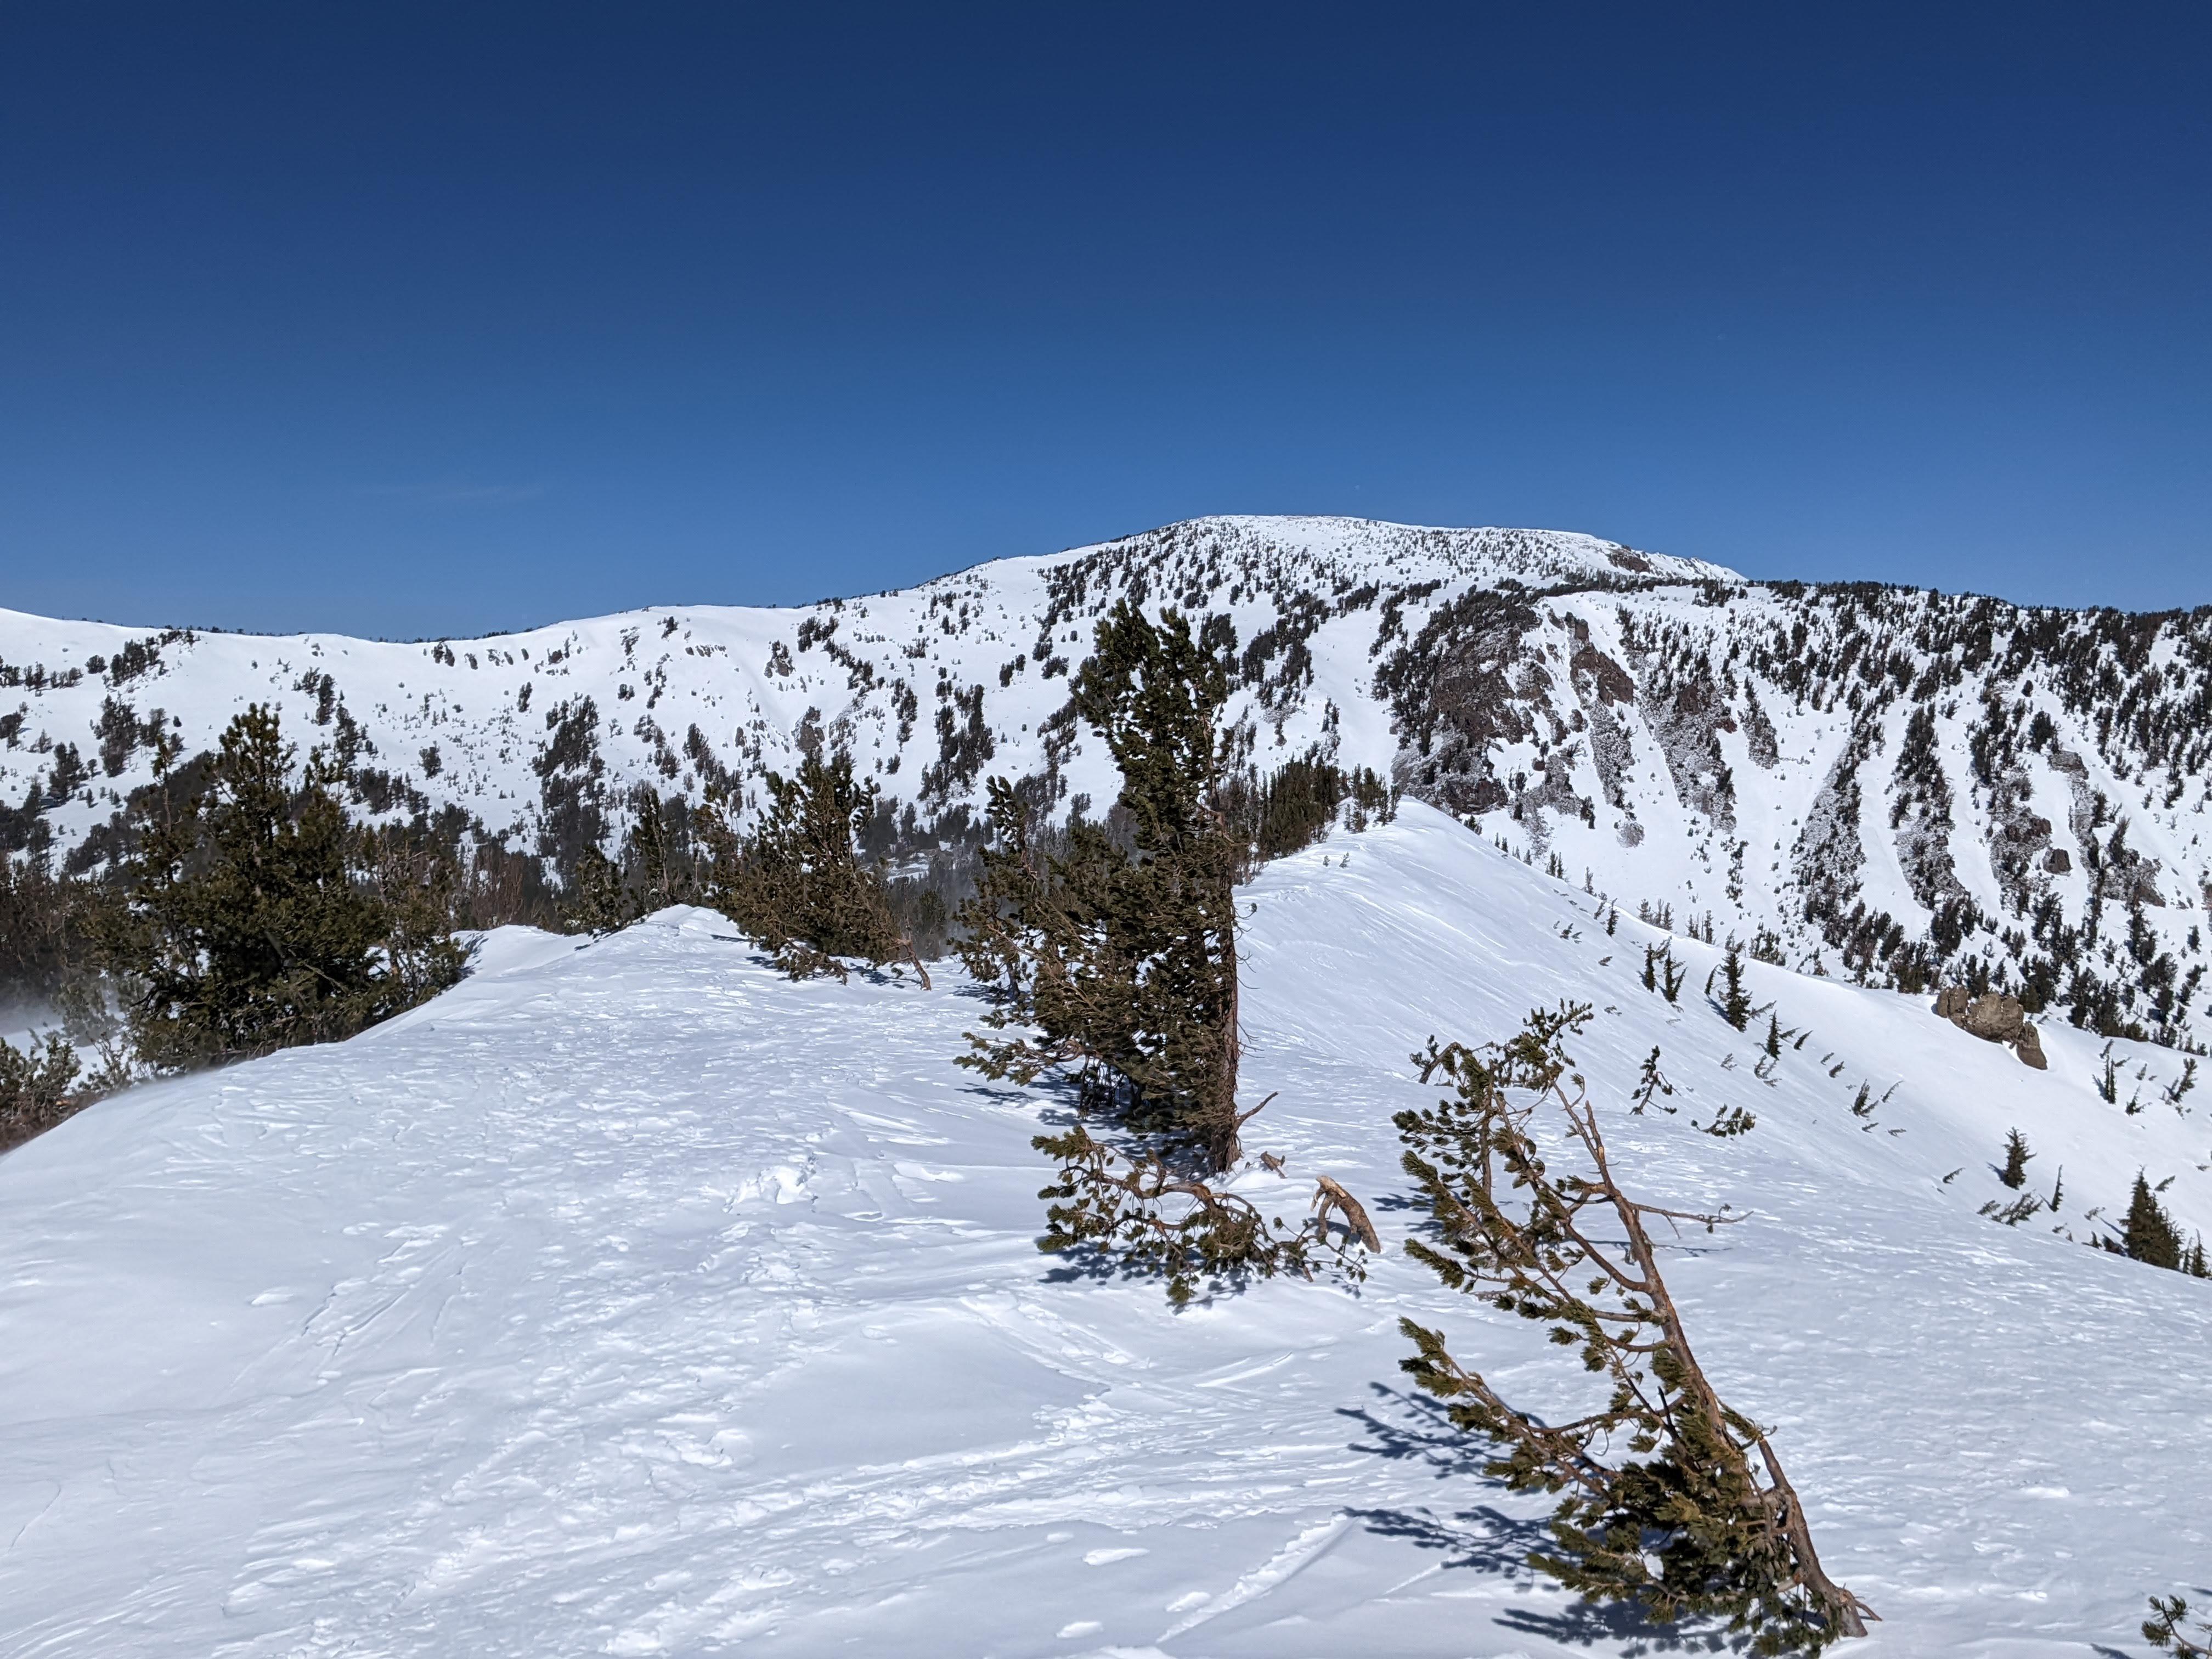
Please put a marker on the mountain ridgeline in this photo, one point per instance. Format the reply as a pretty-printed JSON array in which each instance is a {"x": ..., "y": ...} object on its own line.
[{"x": 1890, "y": 784}]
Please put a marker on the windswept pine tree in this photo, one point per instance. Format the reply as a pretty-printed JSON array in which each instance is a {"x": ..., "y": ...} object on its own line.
[
  {"x": 1699, "y": 1518},
  {"x": 2015, "y": 1173}
]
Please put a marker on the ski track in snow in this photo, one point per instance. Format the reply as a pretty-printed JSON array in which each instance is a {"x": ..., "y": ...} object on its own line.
[{"x": 629, "y": 1299}]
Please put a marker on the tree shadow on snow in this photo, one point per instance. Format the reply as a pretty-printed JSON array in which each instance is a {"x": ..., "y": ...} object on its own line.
[
  {"x": 1623, "y": 1627},
  {"x": 1411, "y": 1427}
]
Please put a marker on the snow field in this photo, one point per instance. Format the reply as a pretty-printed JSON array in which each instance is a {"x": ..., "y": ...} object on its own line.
[{"x": 630, "y": 1299}]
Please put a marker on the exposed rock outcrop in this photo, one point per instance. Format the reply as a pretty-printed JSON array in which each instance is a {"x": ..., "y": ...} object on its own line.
[{"x": 1994, "y": 1017}]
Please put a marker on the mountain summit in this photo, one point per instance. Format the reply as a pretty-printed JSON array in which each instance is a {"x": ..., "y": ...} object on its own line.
[{"x": 1887, "y": 784}]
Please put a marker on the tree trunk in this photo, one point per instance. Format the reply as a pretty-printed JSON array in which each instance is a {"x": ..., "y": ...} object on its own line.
[{"x": 1226, "y": 1149}]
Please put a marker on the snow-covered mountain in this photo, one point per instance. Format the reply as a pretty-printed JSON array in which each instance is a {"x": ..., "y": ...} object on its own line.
[
  {"x": 1886, "y": 783},
  {"x": 631, "y": 1299}
]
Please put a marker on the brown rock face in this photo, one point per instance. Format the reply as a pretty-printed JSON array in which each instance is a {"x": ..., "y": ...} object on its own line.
[{"x": 1994, "y": 1017}]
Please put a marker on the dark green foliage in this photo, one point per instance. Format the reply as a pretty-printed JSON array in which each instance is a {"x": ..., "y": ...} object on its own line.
[
  {"x": 662, "y": 862},
  {"x": 1734, "y": 1121},
  {"x": 596, "y": 901},
  {"x": 2108, "y": 1079},
  {"x": 1736, "y": 1003},
  {"x": 2015, "y": 1173},
  {"x": 254, "y": 917},
  {"x": 35, "y": 1088},
  {"x": 44, "y": 921},
  {"x": 1668, "y": 1499},
  {"x": 1123, "y": 958},
  {"x": 2148, "y": 1233},
  {"x": 2164, "y": 1630},
  {"x": 1156, "y": 1221},
  {"x": 1662, "y": 973},
  {"x": 1650, "y": 1085},
  {"x": 1294, "y": 806},
  {"x": 797, "y": 883}
]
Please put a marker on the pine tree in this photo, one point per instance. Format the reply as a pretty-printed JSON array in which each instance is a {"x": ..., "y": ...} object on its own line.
[
  {"x": 2148, "y": 1233},
  {"x": 1125, "y": 960},
  {"x": 1119, "y": 962},
  {"x": 1699, "y": 1518},
  {"x": 2015, "y": 1173},
  {"x": 35, "y": 1088},
  {"x": 1735, "y": 998},
  {"x": 797, "y": 883},
  {"x": 251, "y": 921},
  {"x": 2164, "y": 1630}
]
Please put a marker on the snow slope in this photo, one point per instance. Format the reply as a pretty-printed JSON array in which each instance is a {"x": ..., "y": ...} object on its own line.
[
  {"x": 1854, "y": 770},
  {"x": 628, "y": 1299}
]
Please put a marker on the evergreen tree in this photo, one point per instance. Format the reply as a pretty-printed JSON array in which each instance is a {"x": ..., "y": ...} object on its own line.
[
  {"x": 35, "y": 1088},
  {"x": 2148, "y": 1233},
  {"x": 251, "y": 921},
  {"x": 2165, "y": 1630},
  {"x": 1699, "y": 1518},
  {"x": 1125, "y": 960},
  {"x": 1119, "y": 961},
  {"x": 1736, "y": 1003},
  {"x": 2015, "y": 1173},
  {"x": 797, "y": 883}
]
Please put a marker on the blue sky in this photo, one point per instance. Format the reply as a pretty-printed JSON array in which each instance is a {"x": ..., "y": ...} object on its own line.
[{"x": 425, "y": 319}]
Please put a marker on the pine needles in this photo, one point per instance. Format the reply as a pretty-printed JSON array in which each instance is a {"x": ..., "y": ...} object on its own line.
[{"x": 1668, "y": 1499}]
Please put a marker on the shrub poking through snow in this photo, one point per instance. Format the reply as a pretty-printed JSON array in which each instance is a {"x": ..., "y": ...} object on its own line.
[
  {"x": 797, "y": 884},
  {"x": 1148, "y": 1218},
  {"x": 1671, "y": 1499},
  {"x": 2015, "y": 1173}
]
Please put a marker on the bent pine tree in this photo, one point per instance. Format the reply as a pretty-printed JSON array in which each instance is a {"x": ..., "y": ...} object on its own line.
[{"x": 1669, "y": 1498}]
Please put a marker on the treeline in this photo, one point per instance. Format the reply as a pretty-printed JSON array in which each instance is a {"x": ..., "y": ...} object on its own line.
[
  {"x": 247, "y": 899},
  {"x": 244, "y": 912}
]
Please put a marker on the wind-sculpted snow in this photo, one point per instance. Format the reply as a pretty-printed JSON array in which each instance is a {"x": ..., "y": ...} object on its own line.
[{"x": 630, "y": 1299}]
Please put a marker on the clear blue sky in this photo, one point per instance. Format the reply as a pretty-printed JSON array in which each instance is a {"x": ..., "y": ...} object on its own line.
[{"x": 413, "y": 320}]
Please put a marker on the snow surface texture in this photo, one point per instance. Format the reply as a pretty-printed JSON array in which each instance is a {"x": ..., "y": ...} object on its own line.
[
  {"x": 1734, "y": 750},
  {"x": 629, "y": 1299}
]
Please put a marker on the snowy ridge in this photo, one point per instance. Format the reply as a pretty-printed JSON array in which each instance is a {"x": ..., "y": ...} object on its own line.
[
  {"x": 1886, "y": 783},
  {"x": 630, "y": 1299}
]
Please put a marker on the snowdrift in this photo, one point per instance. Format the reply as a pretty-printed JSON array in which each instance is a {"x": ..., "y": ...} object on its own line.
[{"x": 628, "y": 1299}]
